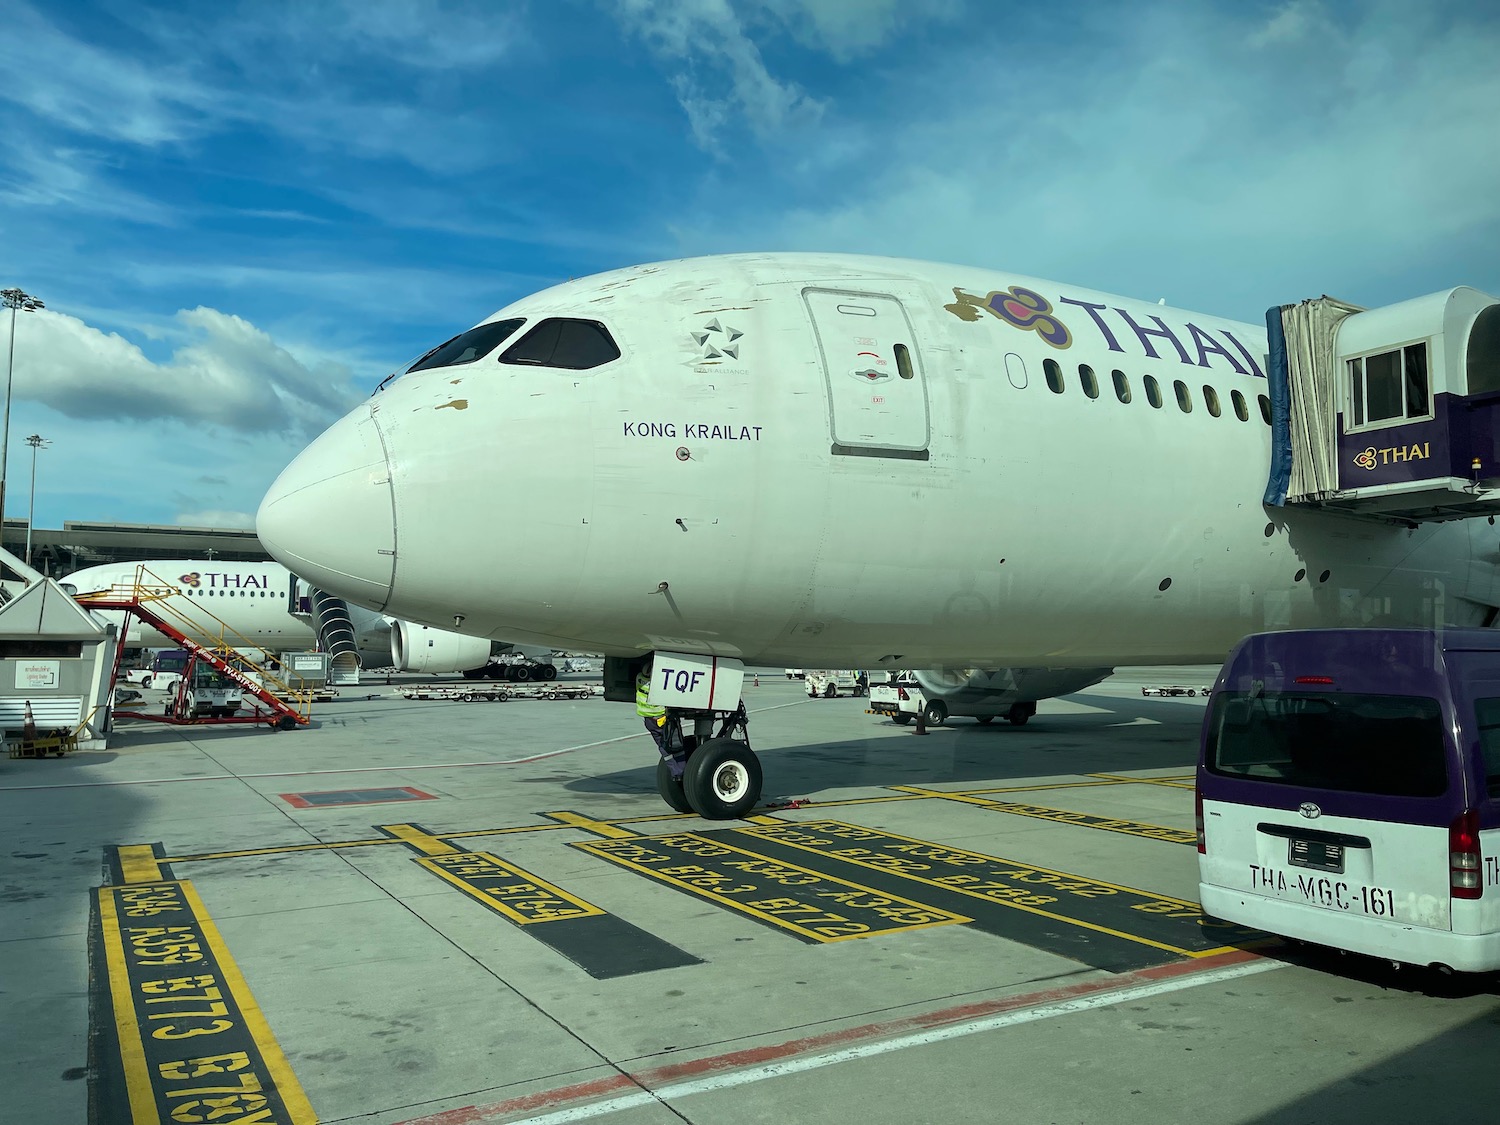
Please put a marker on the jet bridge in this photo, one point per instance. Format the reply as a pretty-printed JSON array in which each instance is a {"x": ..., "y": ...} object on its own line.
[{"x": 1391, "y": 412}]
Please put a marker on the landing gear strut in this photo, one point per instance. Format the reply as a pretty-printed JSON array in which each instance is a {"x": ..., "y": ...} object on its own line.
[{"x": 713, "y": 773}]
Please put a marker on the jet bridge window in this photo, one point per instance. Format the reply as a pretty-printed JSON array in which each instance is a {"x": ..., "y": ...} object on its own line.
[
  {"x": 573, "y": 345},
  {"x": 1389, "y": 385},
  {"x": 468, "y": 346}
]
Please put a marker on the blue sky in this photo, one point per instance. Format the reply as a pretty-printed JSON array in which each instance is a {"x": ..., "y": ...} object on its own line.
[{"x": 242, "y": 215}]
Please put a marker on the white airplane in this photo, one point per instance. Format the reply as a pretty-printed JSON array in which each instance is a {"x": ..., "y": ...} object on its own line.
[
  {"x": 265, "y": 606},
  {"x": 836, "y": 461}
]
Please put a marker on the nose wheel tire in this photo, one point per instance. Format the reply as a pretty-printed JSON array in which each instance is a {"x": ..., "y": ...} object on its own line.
[
  {"x": 1020, "y": 712},
  {"x": 670, "y": 788},
  {"x": 722, "y": 779}
]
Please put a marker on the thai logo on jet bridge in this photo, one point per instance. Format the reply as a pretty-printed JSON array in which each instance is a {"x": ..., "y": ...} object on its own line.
[
  {"x": 1371, "y": 457},
  {"x": 696, "y": 683},
  {"x": 1027, "y": 309}
]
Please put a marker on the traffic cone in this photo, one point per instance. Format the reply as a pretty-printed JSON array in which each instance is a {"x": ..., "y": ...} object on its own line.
[
  {"x": 28, "y": 724},
  {"x": 921, "y": 721}
]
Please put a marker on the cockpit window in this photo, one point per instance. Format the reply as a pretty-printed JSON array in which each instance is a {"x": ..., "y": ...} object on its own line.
[
  {"x": 575, "y": 345},
  {"x": 468, "y": 346}
]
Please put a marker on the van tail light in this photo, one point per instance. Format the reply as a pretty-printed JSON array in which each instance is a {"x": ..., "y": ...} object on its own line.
[
  {"x": 1465, "y": 858},
  {"x": 901, "y": 693},
  {"x": 1198, "y": 820}
]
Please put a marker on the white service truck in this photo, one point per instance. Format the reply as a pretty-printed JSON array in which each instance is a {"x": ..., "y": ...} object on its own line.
[{"x": 831, "y": 684}]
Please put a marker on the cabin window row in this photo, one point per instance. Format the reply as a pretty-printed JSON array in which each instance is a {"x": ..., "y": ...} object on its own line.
[
  {"x": 190, "y": 592},
  {"x": 1089, "y": 382}
]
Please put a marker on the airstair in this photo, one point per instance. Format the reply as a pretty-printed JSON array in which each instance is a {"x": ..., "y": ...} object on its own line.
[
  {"x": 336, "y": 637},
  {"x": 148, "y": 599},
  {"x": 1392, "y": 412}
]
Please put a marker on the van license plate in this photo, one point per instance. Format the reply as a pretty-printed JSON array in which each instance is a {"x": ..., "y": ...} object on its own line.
[{"x": 1316, "y": 854}]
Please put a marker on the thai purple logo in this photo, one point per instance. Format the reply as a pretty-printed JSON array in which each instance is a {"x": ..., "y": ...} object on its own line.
[{"x": 1017, "y": 306}]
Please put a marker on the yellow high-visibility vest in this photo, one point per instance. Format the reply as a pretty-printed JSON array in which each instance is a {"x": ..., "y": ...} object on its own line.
[{"x": 643, "y": 706}]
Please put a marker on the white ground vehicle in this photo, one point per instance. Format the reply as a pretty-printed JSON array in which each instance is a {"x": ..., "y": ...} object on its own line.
[
  {"x": 210, "y": 694},
  {"x": 795, "y": 674},
  {"x": 829, "y": 685}
]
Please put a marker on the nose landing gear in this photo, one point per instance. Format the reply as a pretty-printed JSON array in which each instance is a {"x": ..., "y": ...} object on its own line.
[{"x": 712, "y": 773}]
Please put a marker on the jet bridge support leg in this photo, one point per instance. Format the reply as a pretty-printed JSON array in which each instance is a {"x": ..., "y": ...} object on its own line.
[{"x": 713, "y": 773}]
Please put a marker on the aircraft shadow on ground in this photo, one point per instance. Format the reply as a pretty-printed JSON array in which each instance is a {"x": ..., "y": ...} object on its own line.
[{"x": 1110, "y": 739}]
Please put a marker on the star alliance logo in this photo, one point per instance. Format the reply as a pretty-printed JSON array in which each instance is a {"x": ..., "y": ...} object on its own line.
[{"x": 717, "y": 340}]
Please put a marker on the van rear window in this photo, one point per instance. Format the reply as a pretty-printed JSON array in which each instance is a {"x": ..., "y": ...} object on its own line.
[
  {"x": 1391, "y": 745},
  {"x": 1487, "y": 711}
]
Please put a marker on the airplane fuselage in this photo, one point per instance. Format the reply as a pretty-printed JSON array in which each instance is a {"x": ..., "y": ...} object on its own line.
[{"x": 831, "y": 461}]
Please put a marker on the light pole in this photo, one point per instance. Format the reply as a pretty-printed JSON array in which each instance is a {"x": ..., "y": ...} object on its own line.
[
  {"x": 13, "y": 299},
  {"x": 36, "y": 441}
]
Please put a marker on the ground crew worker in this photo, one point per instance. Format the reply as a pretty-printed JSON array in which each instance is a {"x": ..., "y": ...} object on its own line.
[{"x": 655, "y": 717}]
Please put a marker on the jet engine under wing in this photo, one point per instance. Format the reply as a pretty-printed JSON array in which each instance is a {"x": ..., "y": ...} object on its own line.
[
  {"x": 998, "y": 688},
  {"x": 421, "y": 648}
]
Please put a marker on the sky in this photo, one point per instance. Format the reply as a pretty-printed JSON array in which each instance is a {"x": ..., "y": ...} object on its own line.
[{"x": 242, "y": 216}]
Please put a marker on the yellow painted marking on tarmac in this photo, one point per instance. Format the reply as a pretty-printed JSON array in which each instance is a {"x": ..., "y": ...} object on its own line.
[
  {"x": 424, "y": 842},
  {"x": 292, "y": 1094},
  {"x": 132, "y": 1050},
  {"x": 1144, "y": 780},
  {"x": 1030, "y": 909},
  {"x": 504, "y": 831},
  {"x": 773, "y": 880},
  {"x": 1096, "y": 784},
  {"x": 963, "y": 798},
  {"x": 517, "y": 894},
  {"x": 138, "y": 863},
  {"x": 589, "y": 824},
  {"x": 1139, "y": 828},
  {"x": 200, "y": 857},
  {"x": 764, "y": 819}
]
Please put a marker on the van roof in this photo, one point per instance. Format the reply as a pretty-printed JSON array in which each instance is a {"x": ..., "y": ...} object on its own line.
[{"x": 1374, "y": 660}]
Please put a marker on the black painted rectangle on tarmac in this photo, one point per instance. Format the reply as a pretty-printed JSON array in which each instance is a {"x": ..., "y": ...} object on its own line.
[
  {"x": 598, "y": 943},
  {"x": 811, "y": 905},
  {"x": 191, "y": 1043},
  {"x": 1170, "y": 925}
]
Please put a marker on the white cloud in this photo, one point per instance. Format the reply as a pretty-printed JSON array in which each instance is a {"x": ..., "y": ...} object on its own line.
[
  {"x": 720, "y": 71},
  {"x": 847, "y": 29},
  {"x": 223, "y": 373},
  {"x": 94, "y": 91},
  {"x": 1178, "y": 158}
]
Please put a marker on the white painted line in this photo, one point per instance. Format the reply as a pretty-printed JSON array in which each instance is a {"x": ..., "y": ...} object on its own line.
[{"x": 916, "y": 1039}]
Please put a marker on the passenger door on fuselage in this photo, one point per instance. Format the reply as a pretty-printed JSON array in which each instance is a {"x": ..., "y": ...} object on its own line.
[{"x": 877, "y": 392}]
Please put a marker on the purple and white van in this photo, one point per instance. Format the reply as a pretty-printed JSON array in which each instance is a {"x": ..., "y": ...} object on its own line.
[{"x": 1349, "y": 792}]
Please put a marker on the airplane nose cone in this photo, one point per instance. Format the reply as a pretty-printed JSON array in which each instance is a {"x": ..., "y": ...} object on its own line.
[{"x": 329, "y": 517}]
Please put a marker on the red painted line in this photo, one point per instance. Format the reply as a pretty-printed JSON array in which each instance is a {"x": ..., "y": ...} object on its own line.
[
  {"x": 582, "y": 1091},
  {"x": 655, "y": 1077}
]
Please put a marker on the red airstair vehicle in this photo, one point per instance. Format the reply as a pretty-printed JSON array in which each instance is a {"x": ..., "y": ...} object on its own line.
[{"x": 276, "y": 703}]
